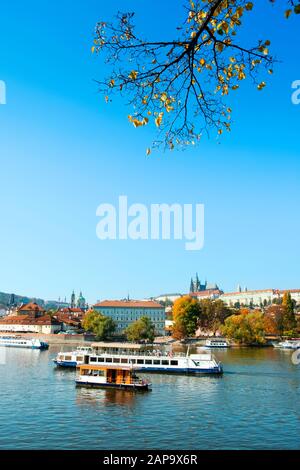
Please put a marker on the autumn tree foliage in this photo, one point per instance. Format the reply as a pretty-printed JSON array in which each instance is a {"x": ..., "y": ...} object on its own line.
[
  {"x": 186, "y": 313},
  {"x": 181, "y": 84},
  {"x": 189, "y": 314},
  {"x": 246, "y": 328},
  {"x": 213, "y": 315}
]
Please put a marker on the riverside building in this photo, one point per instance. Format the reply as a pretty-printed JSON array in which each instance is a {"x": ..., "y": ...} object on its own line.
[{"x": 125, "y": 312}]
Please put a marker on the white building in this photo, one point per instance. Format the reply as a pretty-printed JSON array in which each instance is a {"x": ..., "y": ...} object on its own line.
[
  {"x": 168, "y": 297},
  {"x": 28, "y": 324},
  {"x": 211, "y": 294},
  {"x": 125, "y": 312},
  {"x": 257, "y": 297}
]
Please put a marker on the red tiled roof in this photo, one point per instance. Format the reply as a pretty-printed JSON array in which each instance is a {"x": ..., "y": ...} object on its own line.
[
  {"x": 129, "y": 304},
  {"x": 206, "y": 293},
  {"x": 250, "y": 292},
  {"x": 27, "y": 320},
  {"x": 292, "y": 291},
  {"x": 32, "y": 306},
  {"x": 67, "y": 318},
  {"x": 71, "y": 310}
]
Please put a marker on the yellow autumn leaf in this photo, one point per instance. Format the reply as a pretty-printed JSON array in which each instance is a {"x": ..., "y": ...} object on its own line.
[
  {"x": 133, "y": 75},
  {"x": 288, "y": 13},
  {"x": 261, "y": 85},
  {"x": 158, "y": 120}
]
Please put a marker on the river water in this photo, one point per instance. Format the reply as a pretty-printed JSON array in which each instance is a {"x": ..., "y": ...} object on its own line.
[{"x": 255, "y": 405}]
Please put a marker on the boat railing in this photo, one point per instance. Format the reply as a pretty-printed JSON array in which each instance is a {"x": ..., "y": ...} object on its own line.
[{"x": 138, "y": 354}]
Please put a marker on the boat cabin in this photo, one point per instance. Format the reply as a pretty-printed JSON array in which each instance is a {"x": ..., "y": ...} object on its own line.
[
  {"x": 121, "y": 348},
  {"x": 109, "y": 376}
]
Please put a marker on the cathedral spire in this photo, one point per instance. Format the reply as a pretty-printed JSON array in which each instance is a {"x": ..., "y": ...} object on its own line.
[{"x": 198, "y": 283}]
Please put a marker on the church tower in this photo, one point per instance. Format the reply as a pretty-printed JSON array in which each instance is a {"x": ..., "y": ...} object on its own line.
[
  {"x": 81, "y": 301},
  {"x": 73, "y": 300}
]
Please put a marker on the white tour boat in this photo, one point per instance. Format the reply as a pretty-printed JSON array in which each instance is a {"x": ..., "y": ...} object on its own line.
[
  {"x": 141, "y": 358},
  {"x": 19, "y": 342},
  {"x": 217, "y": 343},
  {"x": 288, "y": 344}
]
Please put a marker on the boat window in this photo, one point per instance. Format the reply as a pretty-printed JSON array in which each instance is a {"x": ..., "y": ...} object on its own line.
[
  {"x": 140, "y": 361},
  {"x": 174, "y": 363},
  {"x": 79, "y": 358},
  {"x": 68, "y": 358},
  {"x": 165, "y": 363},
  {"x": 156, "y": 362},
  {"x": 108, "y": 359},
  {"x": 148, "y": 361},
  {"x": 133, "y": 361},
  {"x": 101, "y": 359},
  {"x": 116, "y": 360},
  {"x": 124, "y": 361},
  {"x": 93, "y": 359}
]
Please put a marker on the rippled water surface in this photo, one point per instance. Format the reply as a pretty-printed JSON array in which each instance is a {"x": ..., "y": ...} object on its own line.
[{"x": 255, "y": 405}]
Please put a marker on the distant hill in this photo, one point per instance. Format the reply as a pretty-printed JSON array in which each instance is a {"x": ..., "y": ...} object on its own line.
[
  {"x": 19, "y": 299},
  {"x": 5, "y": 300}
]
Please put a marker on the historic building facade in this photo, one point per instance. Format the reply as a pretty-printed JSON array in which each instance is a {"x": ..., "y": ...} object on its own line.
[
  {"x": 30, "y": 318},
  {"x": 125, "y": 312}
]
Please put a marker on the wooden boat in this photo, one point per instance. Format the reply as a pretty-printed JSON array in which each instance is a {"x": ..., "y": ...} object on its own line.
[{"x": 121, "y": 377}]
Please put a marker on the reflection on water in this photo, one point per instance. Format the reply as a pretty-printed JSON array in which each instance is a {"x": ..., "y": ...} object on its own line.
[
  {"x": 107, "y": 397},
  {"x": 254, "y": 405}
]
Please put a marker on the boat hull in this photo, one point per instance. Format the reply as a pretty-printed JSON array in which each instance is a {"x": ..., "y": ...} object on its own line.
[
  {"x": 69, "y": 364},
  {"x": 183, "y": 371},
  {"x": 133, "y": 387},
  {"x": 25, "y": 346},
  {"x": 155, "y": 370}
]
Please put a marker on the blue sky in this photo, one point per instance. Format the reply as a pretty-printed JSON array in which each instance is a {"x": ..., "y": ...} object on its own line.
[{"x": 63, "y": 151}]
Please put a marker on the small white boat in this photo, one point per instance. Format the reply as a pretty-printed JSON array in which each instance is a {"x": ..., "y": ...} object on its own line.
[
  {"x": 217, "y": 343},
  {"x": 288, "y": 344},
  {"x": 19, "y": 342}
]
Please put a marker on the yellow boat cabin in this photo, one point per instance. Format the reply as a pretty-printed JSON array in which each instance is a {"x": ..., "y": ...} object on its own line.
[{"x": 110, "y": 376}]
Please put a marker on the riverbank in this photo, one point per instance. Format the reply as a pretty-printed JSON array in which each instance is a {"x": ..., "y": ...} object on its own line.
[{"x": 79, "y": 339}]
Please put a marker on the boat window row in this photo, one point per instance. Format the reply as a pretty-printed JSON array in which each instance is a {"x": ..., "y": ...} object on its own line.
[{"x": 118, "y": 360}]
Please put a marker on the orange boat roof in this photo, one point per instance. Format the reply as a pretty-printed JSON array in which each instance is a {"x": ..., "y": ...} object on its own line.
[{"x": 105, "y": 367}]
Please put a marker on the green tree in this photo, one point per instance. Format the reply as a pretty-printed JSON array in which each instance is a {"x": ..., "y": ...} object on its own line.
[
  {"x": 142, "y": 329},
  {"x": 182, "y": 83},
  {"x": 103, "y": 327},
  {"x": 245, "y": 328},
  {"x": 213, "y": 314},
  {"x": 289, "y": 319},
  {"x": 186, "y": 313}
]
